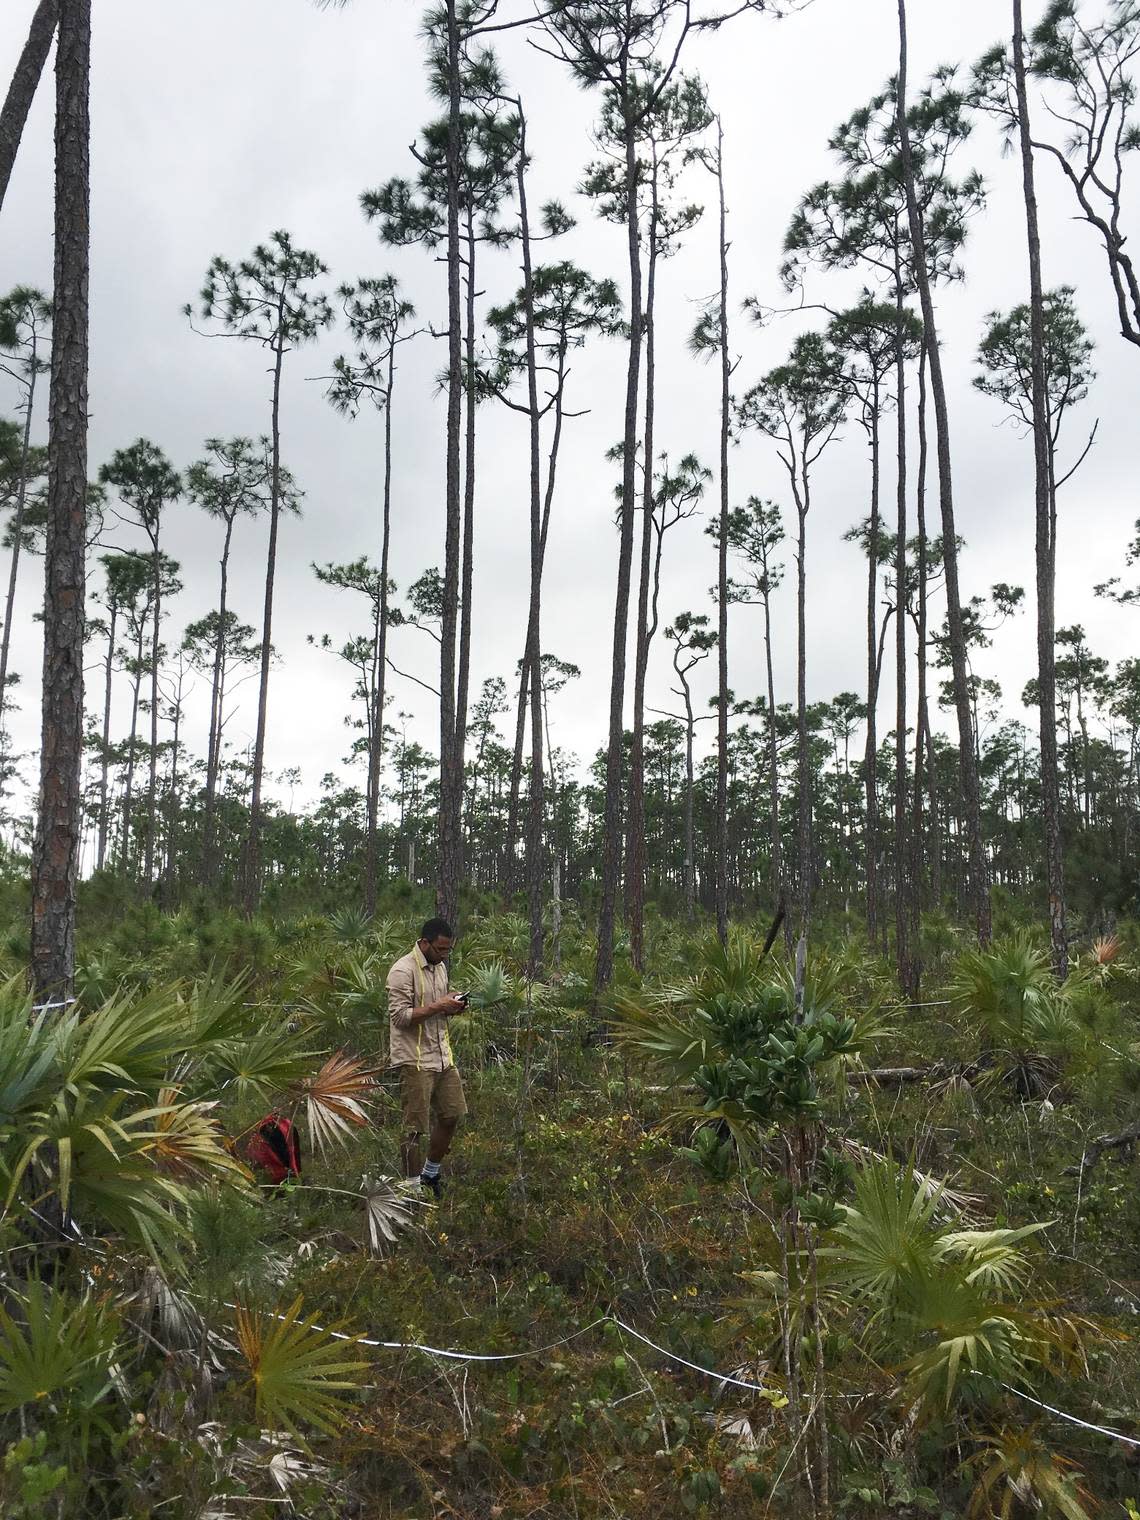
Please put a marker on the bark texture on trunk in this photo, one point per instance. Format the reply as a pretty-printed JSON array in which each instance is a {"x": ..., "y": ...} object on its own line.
[
  {"x": 979, "y": 890},
  {"x": 55, "y": 864},
  {"x": 1045, "y": 546},
  {"x": 721, "y": 887},
  {"x": 253, "y": 845},
  {"x": 534, "y": 871},
  {"x": 22, "y": 90},
  {"x": 612, "y": 818},
  {"x": 451, "y": 784},
  {"x": 17, "y": 530},
  {"x": 214, "y": 742},
  {"x": 105, "y": 759},
  {"x": 635, "y": 819},
  {"x": 908, "y": 980},
  {"x": 376, "y": 754},
  {"x": 870, "y": 754}
]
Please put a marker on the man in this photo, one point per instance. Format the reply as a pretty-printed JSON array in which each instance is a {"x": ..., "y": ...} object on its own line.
[{"x": 419, "y": 1006}]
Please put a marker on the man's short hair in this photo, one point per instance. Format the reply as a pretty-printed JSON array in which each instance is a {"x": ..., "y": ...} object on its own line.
[{"x": 436, "y": 928}]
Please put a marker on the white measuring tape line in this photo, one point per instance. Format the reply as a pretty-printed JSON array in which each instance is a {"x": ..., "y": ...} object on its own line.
[
  {"x": 1101, "y": 1430},
  {"x": 46, "y": 1007},
  {"x": 719, "y": 1377},
  {"x": 514, "y": 1356}
]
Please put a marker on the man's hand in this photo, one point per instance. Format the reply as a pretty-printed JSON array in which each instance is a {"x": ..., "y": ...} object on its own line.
[{"x": 448, "y": 1006}]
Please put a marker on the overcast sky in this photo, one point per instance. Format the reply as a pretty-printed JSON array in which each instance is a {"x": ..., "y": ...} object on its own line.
[{"x": 216, "y": 121}]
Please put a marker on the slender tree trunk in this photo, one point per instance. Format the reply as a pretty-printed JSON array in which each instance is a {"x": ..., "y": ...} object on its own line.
[
  {"x": 872, "y": 746},
  {"x": 463, "y": 676},
  {"x": 971, "y": 794},
  {"x": 690, "y": 863},
  {"x": 612, "y": 830},
  {"x": 253, "y": 849},
  {"x": 635, "y": 864},
  {"x": 55, "y": 862},
  {"x": 451, "y": 791},
  {"x": 773, "y": 756},
  {"x": 721, "y": 884},
  {"x": 22, "y": 90},
  {"x": 510, "y": 851},
  {"x": 376, "y": 754},
  {"x": 17, "y": 535},
  {"x": 214, "y": 741},
  {"x": 152, "y": 777},
  {"x": 933, "y": 854},
  {"x": 168, "y": 873},
  {"x": 907, "y": 970},
  {"x": 1044, "y": 519},
  {"x": 105, "y": 759},
  {"x": 803, "y": 763},
  {"x": 534, "y": 862},
  {"x": 132, "y": 748}
]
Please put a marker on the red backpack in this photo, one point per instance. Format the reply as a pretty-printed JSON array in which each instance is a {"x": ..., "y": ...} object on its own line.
[{"x": 275, "y": 1149}]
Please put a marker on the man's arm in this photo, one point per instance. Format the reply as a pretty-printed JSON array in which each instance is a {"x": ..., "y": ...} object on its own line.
[{"x": 402, "y": 1002}]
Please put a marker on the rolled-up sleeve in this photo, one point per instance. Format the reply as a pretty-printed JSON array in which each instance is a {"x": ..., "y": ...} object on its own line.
[{"x": 401, "y": 997}]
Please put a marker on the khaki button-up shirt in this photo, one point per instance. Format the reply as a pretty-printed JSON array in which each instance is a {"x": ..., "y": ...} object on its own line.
[{"x": 424, "y": 1044}]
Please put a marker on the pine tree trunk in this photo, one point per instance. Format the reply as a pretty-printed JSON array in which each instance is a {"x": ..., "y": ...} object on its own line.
[
  {"x": 152, "y": 777},
  {"x": 907, "y": 971},
  {"x": 773, "y": 754},
  {"x": 132, "y": 747},
  {"x": 932, "y": 853},
  {"x": 17, "y": 534},
  {"x": 214, "y": 741},
  {"x": 803, "y": 762},
  {"x": 979, "y": 893},
  {"x": 105, "y": 758},
  {"x": 1045, "y": 545},
  {"x": 376, "y": 754},
  {"x": 22, "y": 90},
  {"x": 872, "y": 746},
  {"x": 463, "y": 676},
  {"x": 612, "y": 821},
  {"x": 534, "y": 857},
  {"x": 635, "y": 815},
  {"x": 168, "y": 874},
  {"x": 721, "y": 883},
  {"x": 55, "y": 864},
  {"x": 253, "y": 847},
  {"x": 690, "y": 866},
  {"x": 451, "y": 791}
]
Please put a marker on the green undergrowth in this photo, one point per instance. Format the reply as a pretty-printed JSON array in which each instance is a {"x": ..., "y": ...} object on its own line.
[{"x": 590, "y": 1185}]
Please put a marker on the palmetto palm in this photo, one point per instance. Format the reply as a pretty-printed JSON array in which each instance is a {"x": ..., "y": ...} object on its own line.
[
  {"x": 1023, "y": 1016},
  {"x": 950, "y": 1301}
]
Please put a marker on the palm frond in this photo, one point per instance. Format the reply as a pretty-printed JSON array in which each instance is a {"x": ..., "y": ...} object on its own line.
[
  {"x": 389, "y": 1207},
  {"x": 59, "y": 1346},
  {"x": 188, "y": 1141},
  {"x": 991, "y": 1258},
  {"x": 336, "y": 1100},
  {"x": 298, "y": 1372}
]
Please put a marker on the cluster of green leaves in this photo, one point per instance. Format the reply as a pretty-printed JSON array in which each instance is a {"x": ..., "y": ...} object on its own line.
[{"x": 775, "y": 1052}]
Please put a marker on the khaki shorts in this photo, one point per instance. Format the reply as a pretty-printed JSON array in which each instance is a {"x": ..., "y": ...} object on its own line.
[{"x": 426, "y": 1092}]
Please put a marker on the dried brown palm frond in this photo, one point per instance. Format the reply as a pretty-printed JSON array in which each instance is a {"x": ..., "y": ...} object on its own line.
[
  {"x": 1106, "y": 949},
  {"x": 336, "y": 1099}
]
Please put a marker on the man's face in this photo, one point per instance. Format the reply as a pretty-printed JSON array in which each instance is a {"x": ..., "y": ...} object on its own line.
[{"x": 437, "y": 950}]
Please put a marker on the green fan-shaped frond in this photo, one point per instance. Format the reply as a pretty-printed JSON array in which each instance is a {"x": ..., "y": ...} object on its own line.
[{"x": 298, "y": 1372}]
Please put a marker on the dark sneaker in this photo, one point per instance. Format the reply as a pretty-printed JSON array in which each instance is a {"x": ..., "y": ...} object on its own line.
[{"x": 434, "y": 1183}]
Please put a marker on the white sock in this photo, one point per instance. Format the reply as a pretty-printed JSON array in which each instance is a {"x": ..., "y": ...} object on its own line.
[{"x": 431, "y": 1169}]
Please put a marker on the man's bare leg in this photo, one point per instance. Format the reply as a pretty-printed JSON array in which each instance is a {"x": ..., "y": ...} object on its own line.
[{"x": 441, "y": 1137}]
